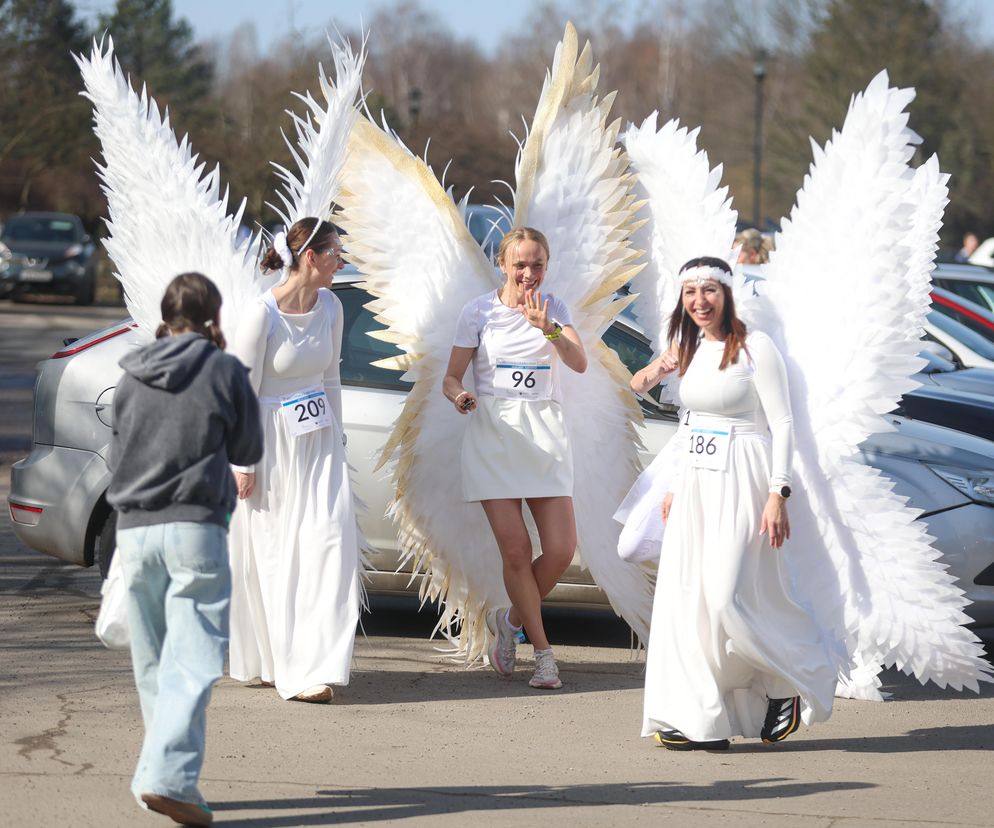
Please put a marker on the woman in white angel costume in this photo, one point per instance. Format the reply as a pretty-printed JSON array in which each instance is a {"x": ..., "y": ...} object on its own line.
[
  {"x": 409, "y": 239},
  {"x": 516, "y": 446},
  {"x": 751, "y": 631},
  {"x": 295, "y": 543},
  {"x": 729, "y": 648}
]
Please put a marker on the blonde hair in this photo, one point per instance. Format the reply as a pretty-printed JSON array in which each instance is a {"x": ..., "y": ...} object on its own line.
[{"x": 520, "y": 234}]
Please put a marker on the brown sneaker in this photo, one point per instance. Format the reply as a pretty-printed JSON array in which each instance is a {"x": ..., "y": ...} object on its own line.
[
  {"x": 185, "y": 813},
  {"x": 318, "y": 694}
]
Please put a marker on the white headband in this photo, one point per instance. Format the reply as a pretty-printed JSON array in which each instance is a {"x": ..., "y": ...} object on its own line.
[
  {"x": 286, "y": 254},
  {"x": 706, "y": 273}
]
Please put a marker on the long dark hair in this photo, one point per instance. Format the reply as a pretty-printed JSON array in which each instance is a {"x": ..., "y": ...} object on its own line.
[
  {"x": 296, "y": 240},
  {"x": 191, "y": 303},
  {"x": 686, "y": 333}
]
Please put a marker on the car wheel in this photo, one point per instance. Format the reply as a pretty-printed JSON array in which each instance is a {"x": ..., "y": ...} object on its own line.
[{"x": 106, "y": 543}]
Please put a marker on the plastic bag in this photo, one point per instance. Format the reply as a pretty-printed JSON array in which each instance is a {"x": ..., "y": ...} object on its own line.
[{"x": 112, "y": 621}]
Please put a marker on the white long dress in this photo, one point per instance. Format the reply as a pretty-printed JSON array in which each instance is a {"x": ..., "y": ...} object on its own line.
[
  {"x": 294, "y": 543},
  {"x": 726, "y": 634}
]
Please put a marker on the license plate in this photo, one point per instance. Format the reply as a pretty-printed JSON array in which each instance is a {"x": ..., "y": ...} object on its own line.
[{"x": 30, "y": 274}]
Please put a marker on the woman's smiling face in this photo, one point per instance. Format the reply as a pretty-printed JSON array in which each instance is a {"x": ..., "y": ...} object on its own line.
[
  {"x": 524, "y": 265},
  {"x": 704, "y": 302}
]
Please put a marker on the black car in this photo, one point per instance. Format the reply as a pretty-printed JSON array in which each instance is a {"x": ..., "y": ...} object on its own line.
[
  {"x": 47, "y": 253},
  {"x": 957, "y": 398}
]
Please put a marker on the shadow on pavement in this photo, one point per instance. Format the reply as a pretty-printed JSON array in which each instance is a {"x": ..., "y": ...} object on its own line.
[{"x": 373, "y": 805}]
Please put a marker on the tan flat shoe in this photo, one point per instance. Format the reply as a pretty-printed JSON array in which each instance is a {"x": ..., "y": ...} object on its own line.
[
  {"x": 318, "y": 694},
  {"x": 185, "y": 813}
]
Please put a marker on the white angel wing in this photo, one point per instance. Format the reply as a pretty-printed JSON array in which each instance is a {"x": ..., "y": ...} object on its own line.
[
  {"x": 411, "y": 242},
  {"x": 322, "y": 138},
  {"x": 572, "y": 184},
  {"x": 689, "y": 213},
  {"x": 863, "y": 563},
  {"x": 165, "y": 216}
]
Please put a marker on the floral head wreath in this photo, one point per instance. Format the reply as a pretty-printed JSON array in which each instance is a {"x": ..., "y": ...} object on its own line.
[{"x": 706, "y": 273}]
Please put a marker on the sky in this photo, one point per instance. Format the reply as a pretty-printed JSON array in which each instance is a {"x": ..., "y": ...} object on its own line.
[{"x": 481, "y": 20}]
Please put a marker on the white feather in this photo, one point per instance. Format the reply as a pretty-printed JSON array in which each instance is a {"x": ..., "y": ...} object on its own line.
[
  {"x": 866, "y": 567},
  {"x": 322, "y": 138},
  {"x": 165, "y": 215},
  {"x": 573, "y": 185}
]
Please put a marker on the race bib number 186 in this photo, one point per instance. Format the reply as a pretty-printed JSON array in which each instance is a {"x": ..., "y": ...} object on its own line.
[
  {"x": 709, "y": 447},
  {"x": 306, "y": 411}
]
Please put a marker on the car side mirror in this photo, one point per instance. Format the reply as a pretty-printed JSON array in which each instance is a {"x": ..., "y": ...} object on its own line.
[{"x": 939, "y": 350}]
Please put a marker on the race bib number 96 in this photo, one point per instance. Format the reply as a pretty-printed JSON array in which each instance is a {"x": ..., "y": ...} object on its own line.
[
  {"x": 709, "y": 447},
  {"x": 306, "y": 411},
  {"x": 523, "y": 379}
]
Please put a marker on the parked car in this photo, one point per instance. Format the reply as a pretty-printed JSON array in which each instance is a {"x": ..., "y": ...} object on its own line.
[
  {"x": 57, "y": 495},
  {"x": 963, "y": 346},
  {"x": 973, "y": 316},
  {"x": 969, "y": 281},
  {"x": 47, "y": 253}
]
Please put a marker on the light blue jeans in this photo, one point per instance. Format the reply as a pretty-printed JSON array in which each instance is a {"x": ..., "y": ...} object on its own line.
[{"x": 179, "y": 591}]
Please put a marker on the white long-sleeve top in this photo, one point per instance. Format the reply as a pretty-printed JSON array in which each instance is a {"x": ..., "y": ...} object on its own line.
[
  {"x": 752, "y": 392},
  {"x": 287, "y": 352}
]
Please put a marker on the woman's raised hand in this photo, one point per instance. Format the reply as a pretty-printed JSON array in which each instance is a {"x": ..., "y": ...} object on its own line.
[{"x": 535, "y": 311}]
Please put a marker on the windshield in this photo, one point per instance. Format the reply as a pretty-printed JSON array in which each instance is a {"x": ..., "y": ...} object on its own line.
[{"x": 27, "y": 228}]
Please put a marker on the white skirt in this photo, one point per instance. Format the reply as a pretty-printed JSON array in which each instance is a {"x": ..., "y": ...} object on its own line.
[
  {"x": 726, "y": 634},
  {"x": 516, "y": 449},
  {"x": 295, "y": 563}
]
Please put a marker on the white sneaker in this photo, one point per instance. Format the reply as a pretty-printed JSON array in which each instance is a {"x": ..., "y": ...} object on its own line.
[
  {"x": 503, "y": 643},
  {"x": 546, "y": 672}
]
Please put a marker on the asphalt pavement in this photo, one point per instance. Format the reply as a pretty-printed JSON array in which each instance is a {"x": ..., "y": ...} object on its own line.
[{"x": 418, "y": 739}]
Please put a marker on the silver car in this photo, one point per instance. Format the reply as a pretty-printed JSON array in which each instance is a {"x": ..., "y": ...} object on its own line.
[{"x": 57, "y": 498}]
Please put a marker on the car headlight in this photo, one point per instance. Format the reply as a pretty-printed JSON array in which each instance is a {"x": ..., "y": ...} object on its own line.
[
  {"x": 976, "y": 485},
  {"x": 74, "y": 250}
]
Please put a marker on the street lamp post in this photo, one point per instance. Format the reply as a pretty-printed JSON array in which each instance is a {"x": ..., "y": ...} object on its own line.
[{"x": 759, "y": 73}]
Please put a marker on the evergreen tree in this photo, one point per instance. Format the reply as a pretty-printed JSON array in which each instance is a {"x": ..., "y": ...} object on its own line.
[
  {"x": 43, "y": 121},
  {"x": 159, "y": 51}
]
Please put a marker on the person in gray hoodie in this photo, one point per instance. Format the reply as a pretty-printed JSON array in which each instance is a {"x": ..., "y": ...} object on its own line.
[{"x": 183, "y": 411}]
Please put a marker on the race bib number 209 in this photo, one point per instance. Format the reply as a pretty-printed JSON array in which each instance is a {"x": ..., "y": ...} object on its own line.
[{"x": 306, "y": 411}]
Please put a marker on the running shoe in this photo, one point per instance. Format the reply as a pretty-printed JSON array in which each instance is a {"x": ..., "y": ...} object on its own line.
[
  {"x": 503, "y": 644},
  {"x": 783, "y": 717},
  {"x": 546, "y": 675},
  {"x": 675, "y": 740}
]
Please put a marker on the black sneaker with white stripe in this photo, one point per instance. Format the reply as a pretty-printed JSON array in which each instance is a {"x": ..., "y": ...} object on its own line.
[
  {"x": 783, "y": 717},
  {"x": 675, "y": 740}
]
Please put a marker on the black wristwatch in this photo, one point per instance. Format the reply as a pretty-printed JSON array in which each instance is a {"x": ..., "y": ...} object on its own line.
[{"x": 785, "y": 492}]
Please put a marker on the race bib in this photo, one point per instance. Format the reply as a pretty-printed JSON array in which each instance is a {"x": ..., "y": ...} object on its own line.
[
  {"x": 527, "y": 379},
  {"x": 306, "y": 411},
  {"x": 709, "y": 446}
]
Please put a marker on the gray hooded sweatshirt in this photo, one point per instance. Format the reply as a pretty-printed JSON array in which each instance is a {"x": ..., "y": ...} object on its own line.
[{"x": 183, "y": 411}]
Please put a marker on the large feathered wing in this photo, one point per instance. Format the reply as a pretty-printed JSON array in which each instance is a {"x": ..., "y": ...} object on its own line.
[
  {"x": 573, "y": 185},
  {"x": 322, "y": 138},
  {"x": 862, "y": 561},
  {"x": 165, "y": 215},
  {"x": 410, "y": 241},
  {"x": 687, "y": 214}
]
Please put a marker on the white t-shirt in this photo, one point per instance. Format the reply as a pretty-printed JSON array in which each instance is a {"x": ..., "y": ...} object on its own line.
[{"x": 497, "y": 331}]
